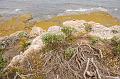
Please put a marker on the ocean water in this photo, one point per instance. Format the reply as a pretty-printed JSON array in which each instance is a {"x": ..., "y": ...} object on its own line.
[{"x": 44, "y": 9}]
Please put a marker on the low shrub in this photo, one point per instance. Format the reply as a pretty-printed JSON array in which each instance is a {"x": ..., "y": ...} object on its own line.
[
  {"x": 88, "y": 27},
  {"x": 2, "y": 60},
  {"x": 115, "y": 42},
  {"x": 94, "y": 40},
  {"x": 68, "y": 30},
  {"x": 53, "y": 38},
  {"x": 69, "y": 53},
  {"x": 23, "y": 34}
]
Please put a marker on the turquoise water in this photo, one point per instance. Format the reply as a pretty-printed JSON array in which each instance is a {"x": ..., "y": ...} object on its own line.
[{"x": 48, "y": 8}]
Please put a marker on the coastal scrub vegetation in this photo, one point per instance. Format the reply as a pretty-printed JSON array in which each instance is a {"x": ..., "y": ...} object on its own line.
[
  {"x": 68, "y": 31},
  {"x": 53, "y": 38},
  {"x": 88, "y": 27},
  {"x": 94, "y": 40},
  {"x": 69, "y": 52},
  {"x": 2, "y": 60},
  {"x": 115, "y": 42},
  {"x": 70, "y": 56}
]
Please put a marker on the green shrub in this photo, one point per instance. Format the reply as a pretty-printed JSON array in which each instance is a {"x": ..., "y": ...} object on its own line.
[
  {"x": 53, "y": 38},
  {"x": 94, "y": 40},
  {"x": 68, "y": 30},
  {"x": 88, "y": 27},
  {"x": 2, "y": 60},
  {"x": 115, "y": 42},
  {"x": 22, "y": 34},
  {"x": 69, "y": 53}
]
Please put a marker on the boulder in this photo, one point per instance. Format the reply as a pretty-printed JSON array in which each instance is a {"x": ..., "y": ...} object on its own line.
[
  {"x": 115, "y": 30},
  {"x": 35, "y": 46},
  {"x": 77, "y": 24},
  {"x": 17, "y": 60},
  {"x": 36, "y": 31},
  {"x": 20, "y": 60},
  {"x": 12, "y": 39},
  {"x": 101, "y": 31},
  {"x": 10, "y": 44},
  {"x": 54, "y": 28}
]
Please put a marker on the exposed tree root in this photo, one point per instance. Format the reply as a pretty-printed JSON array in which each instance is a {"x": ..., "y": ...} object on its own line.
[
  {"x": 85, "y": 63},
  {"x": 82, "y": 65}
]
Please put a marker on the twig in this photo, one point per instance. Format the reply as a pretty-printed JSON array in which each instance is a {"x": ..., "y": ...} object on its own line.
[
  {"x": 100, "y": 53},
  {"x": 74, "y": 72},
  {"x": 87, "y": 65},
  {"x": 15, "y": 77},
  {"x": 19, "y": 75},
  {"x": 47, "y": 60},
  {"x": 99, "y": 77},
  {"x": 29, "y": 65}
]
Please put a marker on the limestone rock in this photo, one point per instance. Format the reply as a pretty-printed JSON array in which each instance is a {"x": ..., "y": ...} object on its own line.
[
  {"x": 36, "y": 31},
  {"x": 104, "y": 32},
  {"x": 16, "y": 60},
  {"x": 34, "y": 48},
  {"x": 115, "y": 30},
  {"x": 101, "y": 31},
  {"x": 77, "y": 24},
  {"x": 12, "y": 39},
  {"x": 54, "y": 28}
]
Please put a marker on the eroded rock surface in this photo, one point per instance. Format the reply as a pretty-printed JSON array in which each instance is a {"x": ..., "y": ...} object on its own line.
[
  {"x": 36, "y": 31},
  {"x": 96, "y": 28},
  {"x": 77, "y": 24},
  {"x": 54, "y": 28}
]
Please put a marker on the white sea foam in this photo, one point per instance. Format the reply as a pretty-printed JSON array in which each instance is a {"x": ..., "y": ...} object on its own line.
[
  {"x": 116, "y": 9},
  {"x": 86, "y": 9},
  {"x": 16, "y": 10},
  {"x": 82, "y": 10}
]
